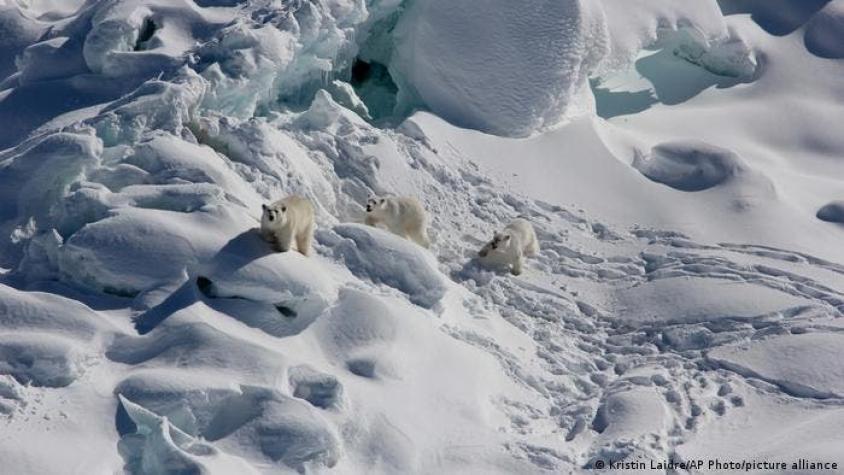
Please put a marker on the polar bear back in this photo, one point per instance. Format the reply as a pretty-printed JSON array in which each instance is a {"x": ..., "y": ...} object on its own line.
[
  {"x": 300, "y": 212},
  {"x": 522, "y": 230},
  {"x": 408, "y": 210}
]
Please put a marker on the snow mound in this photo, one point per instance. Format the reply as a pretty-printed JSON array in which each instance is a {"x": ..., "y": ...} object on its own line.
[
  {"x": 807, "y": 365},
  {"x": 283, "y": 429},
  {"x": 625, "y": 420},
  {"x": 469, "y": 63},
  {"x": 190, "y": 400},
  {"x": 690, "y": 166},
  {"x": 41, "y": 359},
  {"x": 825, "y": 31},
  {"x": 46, "y": 339},
  {"x": 777, "y": 17},
  {"x": 196, "y": 345},
  {"x": 832, "y": 212},
  {"x": 385, "y": 258},
  {"x": 693, "y": 300},
  {"x": 113, "y": 254},
  {"x": 39, "y": 312},
  {"x": 362, "y": 331},
  {"x": 319, "y": 389},
  {"x": 159, "y": 447},
  {"x": 247, "y": 268}
]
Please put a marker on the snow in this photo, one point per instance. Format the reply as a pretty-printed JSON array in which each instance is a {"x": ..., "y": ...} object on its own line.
[
  {"x": 483, "y": 71},
  {"x": 805, "y": 364},
  {"x": 823, "y": 31},
  {"x": 690, "y": 166},
  {"x": 832, "y": 212},
  {"x": 695, "y": 299},
  {"x": 376, "y": 255},
  {"x": 680, "y": 162}
]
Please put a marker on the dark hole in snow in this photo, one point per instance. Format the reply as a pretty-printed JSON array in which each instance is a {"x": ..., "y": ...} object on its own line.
[
  {"x": 375, "y": 87},
  {"x": 204, "y": 285},
  {"x": 286, "y": 311},
  {"x": 362, "y": 367},
  {"x": 124, "y": 293},
  {"x": 360, "y": 71},
  {"x": 147, "y": 30}
]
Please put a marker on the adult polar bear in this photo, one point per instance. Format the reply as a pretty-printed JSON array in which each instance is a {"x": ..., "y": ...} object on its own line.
[
  {"x": 402, "y": 215},
  {"x": 287, "y": 220},
  {"x": 509, "y": 246}
]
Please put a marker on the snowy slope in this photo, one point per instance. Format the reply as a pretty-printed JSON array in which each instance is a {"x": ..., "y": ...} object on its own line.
[{"x": 681, "y": 162}]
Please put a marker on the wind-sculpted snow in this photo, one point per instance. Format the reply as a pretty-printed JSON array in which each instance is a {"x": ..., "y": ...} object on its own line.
[
  {"x": 825, "y": 31},
  {"x": 480, "y": 66},
  {"x": 806, "y": 365},
  {"x": 146, "y": 327},
  {"x": 385, "y": 259},
  {"x": 472, "y": 63},
  {"x": 832, "y": 212},
  {"x": 690, "y": 166},
  {"x": 289, "y": 284}
]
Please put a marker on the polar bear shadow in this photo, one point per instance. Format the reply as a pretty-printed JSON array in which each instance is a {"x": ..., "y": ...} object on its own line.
[
  {"x": 242, "y": 249},
  {"x": 280, "y": 293},
  {"x": 237, "y": 253}
]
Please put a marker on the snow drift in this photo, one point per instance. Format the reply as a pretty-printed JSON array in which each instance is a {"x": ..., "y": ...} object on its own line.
[{"x": 145, "y": 327}]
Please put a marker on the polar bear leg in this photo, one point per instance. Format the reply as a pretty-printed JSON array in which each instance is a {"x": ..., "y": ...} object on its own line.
[
  {"x": 418, "y": 234},
  {"x": 304, "y": 239},
  {"x": 532, "y": 248},
  {"x": 283, "y": 240},
  {"x": 517, "y": 264}
]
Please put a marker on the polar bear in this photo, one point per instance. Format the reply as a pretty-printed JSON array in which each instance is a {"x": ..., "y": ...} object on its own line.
[
  {"x": 402, "y": 215},
  {"x": 509, "y": 246},
  {"x": 286, "y": 220}
]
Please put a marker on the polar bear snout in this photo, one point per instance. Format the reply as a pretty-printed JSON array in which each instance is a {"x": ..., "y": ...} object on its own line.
[{"x": 373, "y": 203}]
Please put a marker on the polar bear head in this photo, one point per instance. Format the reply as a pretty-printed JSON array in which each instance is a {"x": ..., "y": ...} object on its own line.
[
  {"x": 375, "y": 204},
  {"x": 500, "y": 243},
  {"x": 273, "y": 216}
]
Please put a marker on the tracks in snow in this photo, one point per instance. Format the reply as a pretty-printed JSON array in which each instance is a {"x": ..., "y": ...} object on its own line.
[{"x": 592, "y": 357}]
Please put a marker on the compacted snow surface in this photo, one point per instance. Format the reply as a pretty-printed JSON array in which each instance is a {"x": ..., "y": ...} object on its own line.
[{"x": 681, "y": 161}]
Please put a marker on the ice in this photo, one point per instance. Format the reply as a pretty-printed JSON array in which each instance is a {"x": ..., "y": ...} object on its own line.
[
  {"x": 158, "y": 447},
  {"x": 686, "y": 301},
  {"x": 516, "y": 81}
]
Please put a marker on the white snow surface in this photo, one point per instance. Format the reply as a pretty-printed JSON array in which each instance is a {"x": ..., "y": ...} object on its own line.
[{"x": 681, "y": 162}]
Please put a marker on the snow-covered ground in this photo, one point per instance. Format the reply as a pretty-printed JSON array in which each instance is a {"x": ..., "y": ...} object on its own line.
[{"x": 682, "y": 163}]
